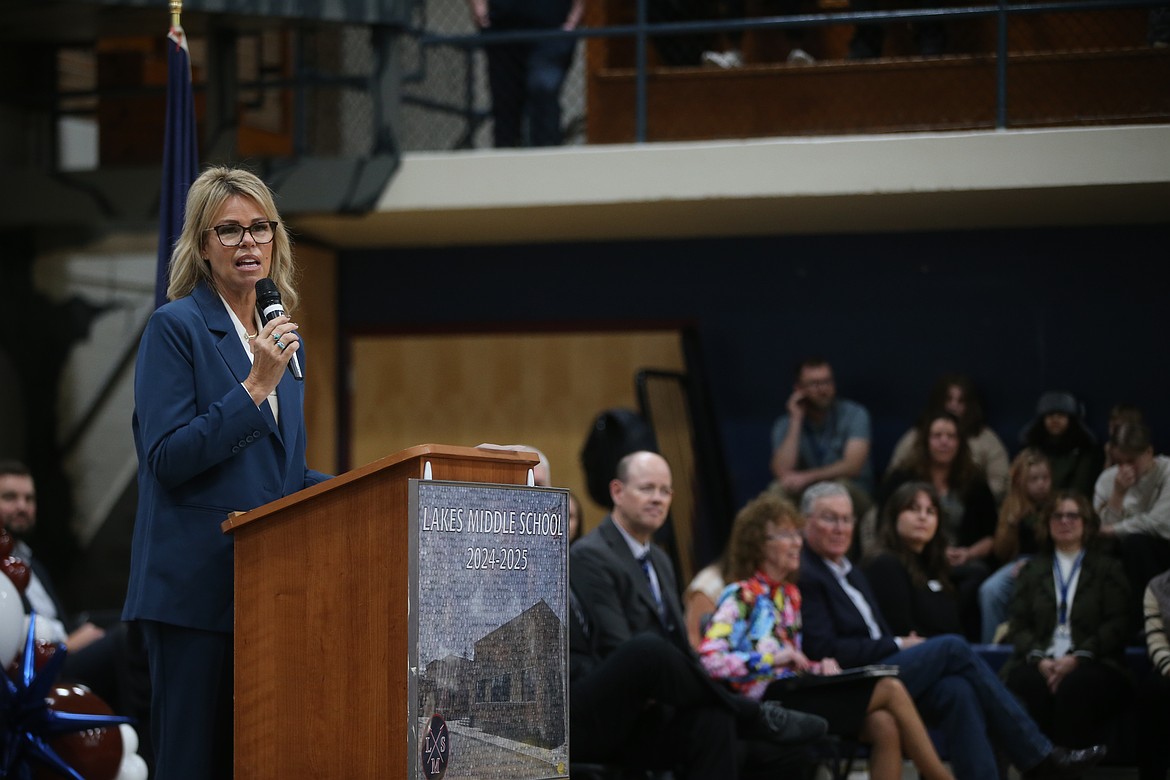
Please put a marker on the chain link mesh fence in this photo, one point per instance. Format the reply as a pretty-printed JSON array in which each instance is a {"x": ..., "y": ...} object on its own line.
[{"x": 447, "y": 94}]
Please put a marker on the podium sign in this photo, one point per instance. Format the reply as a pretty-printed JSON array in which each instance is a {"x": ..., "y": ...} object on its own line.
[{"x": 488, "y": 644}]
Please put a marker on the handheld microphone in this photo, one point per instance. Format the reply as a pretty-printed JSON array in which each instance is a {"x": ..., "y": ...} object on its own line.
[{"x": 269, "y": 307}]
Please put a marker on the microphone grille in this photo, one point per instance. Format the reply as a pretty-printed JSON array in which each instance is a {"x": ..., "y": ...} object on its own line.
[{"x": 266, "y": 289}]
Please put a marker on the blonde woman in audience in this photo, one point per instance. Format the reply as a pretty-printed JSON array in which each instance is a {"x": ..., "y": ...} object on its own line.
[
  {"x": 754, "y": 639},
  {"x": 1154, "y": 695},
  {"x": 1015, "y": 536}
]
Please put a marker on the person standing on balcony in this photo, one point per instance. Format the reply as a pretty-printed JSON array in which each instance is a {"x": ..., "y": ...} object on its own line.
[{"x": 525, "y": 77}]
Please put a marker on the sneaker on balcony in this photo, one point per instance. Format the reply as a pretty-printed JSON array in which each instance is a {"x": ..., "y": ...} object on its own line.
[
  {"x": 732, "y": 58},
  {"x": 800, "y": 57}
]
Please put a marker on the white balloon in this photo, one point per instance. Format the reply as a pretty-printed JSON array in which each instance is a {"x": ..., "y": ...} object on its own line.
[
  {"x": 12, "y": 625},
  {"x": 129, "y": 738},
  {"x": 132, "y": 768}
]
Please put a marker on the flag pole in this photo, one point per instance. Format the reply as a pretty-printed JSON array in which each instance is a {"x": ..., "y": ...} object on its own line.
[{"x": 180, "y": 164}]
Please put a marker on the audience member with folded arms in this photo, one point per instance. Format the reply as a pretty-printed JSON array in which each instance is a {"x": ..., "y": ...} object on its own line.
[
  {"x": 1069, "y": 627},
  {"x": 754, "y": 640},
  {"x": 909, "y": 570},
  {"x": 1022, "y": 513},
  {"x": 953, "y": 687}
]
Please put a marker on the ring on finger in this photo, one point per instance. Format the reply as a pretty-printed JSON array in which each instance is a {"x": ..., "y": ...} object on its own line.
[
  {"x": 276, "y": 335},
  {"x": 280, "y": 345}
]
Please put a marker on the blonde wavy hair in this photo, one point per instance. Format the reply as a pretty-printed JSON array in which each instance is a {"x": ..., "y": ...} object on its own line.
[{"x": 206, "y": 197}]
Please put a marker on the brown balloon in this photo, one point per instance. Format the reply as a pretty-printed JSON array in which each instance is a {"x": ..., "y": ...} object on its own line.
[
  {"x": 17, "y": 571},
  {"x": 42, "y": 652},
  {"x": 95, "y": 754}
]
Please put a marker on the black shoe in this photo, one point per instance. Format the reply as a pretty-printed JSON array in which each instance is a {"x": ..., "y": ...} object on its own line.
[
  {"x": 787, "y": 727},
  {"x": 1062, "y": 764}
]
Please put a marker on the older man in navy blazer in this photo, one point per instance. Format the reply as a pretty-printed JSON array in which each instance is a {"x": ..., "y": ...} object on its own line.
[{"x": 953, "y": 688}]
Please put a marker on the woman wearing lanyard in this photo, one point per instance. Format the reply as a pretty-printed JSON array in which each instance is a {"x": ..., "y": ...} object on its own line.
[{"x": 1069, "y": 626}]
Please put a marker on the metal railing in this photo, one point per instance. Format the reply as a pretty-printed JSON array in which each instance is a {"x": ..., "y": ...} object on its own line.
[{"x": 643, "y": 32}]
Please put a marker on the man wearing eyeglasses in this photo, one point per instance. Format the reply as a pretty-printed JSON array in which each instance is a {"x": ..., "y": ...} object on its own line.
[
  {"x": 822, "y": 437},
  {"x": 953, "y": 688},
  {"x": 626, "y": 588}
]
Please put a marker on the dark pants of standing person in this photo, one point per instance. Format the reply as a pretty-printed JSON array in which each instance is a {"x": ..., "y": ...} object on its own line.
[
  {"x": 929, "y": 37},
  {"x": 191, "y": 701},
  {"x": 1153, "y": 709},
  {"x": 1079, "y": 714},
  {"x": 526, "y": 78}
]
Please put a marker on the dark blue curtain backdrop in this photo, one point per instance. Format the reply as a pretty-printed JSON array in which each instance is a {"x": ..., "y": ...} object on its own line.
[{"x": 1021, "y": 311}]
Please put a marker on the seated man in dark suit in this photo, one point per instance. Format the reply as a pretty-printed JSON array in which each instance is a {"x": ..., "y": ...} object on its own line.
[
  {"x": 629, "y": 647},
  {"x": 644, "y": 706},
  {"x": 953, "y": 688}
]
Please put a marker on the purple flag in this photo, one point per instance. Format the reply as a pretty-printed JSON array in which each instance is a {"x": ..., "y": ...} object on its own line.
[{"x": 180, "y": 155}]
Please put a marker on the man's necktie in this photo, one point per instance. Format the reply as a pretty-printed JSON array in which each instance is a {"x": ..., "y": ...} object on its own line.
[{"x": 648, "y": 570}]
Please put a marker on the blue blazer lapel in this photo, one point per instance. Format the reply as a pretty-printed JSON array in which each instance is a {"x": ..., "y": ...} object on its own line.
[
  {"x": 220, "y": 324},
  {"x": 232, "y": 352}
]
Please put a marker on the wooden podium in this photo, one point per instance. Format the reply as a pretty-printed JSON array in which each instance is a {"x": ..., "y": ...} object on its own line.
[{"x": 321, "y": 617}]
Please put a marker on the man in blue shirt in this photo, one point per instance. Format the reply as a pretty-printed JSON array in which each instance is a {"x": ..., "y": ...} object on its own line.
[{"x": 822, "y": 438}]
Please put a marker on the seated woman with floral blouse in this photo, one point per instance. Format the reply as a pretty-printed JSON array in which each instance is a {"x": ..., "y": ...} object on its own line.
[{"x": 754, "y": 639}]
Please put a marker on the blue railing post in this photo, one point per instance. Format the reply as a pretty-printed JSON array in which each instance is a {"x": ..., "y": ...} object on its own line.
[
  {"x": 640, "y": 77},
  {"x": 1001, "y": 68}
]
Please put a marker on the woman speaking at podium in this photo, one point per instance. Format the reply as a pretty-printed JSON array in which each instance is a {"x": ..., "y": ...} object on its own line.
[{"x": 218, "y": 427}]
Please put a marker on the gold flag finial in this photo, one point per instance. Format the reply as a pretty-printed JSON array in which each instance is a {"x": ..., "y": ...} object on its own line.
[{"x": 176, "y": 12}]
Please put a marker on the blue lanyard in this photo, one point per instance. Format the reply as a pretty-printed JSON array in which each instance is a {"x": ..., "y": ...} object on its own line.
[{"x": 1062, "y": 607}]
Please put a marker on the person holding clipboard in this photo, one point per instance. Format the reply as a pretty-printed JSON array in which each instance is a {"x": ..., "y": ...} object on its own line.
[{"x": 753, "y": 643}]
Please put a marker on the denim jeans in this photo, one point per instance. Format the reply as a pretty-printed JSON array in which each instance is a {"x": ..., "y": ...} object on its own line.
[
  {"x": 995, "y": 598},
  {"x": 957, "y": 691}
]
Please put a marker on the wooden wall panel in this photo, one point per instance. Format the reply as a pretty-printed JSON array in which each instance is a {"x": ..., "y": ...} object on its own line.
[{"x": 542, "y": 390}]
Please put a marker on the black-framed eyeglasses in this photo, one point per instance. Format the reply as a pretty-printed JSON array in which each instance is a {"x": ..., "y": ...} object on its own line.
[
  {"x": 233, "y": 235},
  {"x": 1066, "y": 516}
]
